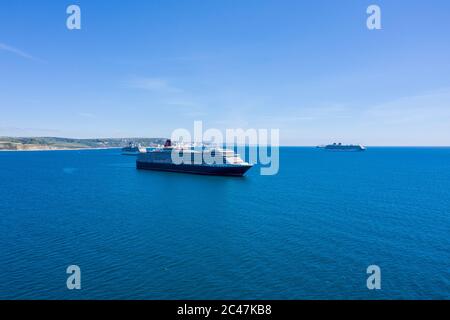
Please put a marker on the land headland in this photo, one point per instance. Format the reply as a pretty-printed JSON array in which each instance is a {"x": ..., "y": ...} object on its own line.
[{"x": 55, "y": 143}]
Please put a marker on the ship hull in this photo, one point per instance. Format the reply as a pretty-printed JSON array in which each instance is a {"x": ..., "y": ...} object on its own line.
[
  {"x": 232, "y": 171},
  {"x": 131, "y": 153},
  {"x": 345, "y": 150}
]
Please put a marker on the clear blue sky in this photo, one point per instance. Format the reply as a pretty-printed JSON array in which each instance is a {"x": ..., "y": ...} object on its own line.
[{"x": 310, "y": 68}]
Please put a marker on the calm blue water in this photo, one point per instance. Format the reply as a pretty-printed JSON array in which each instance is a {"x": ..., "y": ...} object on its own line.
[{"x": 308, "y": 232}]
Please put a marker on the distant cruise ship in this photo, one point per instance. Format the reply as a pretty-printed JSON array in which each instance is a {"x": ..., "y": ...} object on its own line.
[
  {"x": 133, "y": 149},
  {"x": 343, "y": 147},
  {"x": 227, "y": 162}
]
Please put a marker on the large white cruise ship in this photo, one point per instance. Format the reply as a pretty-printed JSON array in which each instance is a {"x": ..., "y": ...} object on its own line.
[{"x": 223, "y": 162}]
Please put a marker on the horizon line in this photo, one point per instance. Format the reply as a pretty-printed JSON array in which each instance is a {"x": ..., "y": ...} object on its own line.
[{"x": 250, "y": 145}]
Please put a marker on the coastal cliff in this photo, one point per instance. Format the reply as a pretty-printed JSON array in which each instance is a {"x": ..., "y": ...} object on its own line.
[{"x": 53, "y": 143}]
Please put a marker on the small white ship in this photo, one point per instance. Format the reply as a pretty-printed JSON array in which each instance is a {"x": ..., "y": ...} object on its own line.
[
  {"x": 133, "y": 149},
  {"x": 343, "y": 147}
]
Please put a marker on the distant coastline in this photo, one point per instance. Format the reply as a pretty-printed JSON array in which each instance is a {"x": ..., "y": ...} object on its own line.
[
  {"x": 54, "y": 149},
  {"x": 56, "y": 143}
]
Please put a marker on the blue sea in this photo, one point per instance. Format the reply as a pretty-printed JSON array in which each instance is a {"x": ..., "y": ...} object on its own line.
[{"x": 309, "y": 232}]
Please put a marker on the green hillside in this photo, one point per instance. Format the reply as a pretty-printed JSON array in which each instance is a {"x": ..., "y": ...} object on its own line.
[{"x": 54, "y": 143}]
